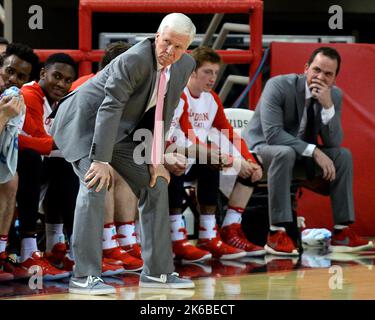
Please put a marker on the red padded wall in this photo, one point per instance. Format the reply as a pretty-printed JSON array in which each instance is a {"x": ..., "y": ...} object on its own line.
[{"x": 357, "y": 80}]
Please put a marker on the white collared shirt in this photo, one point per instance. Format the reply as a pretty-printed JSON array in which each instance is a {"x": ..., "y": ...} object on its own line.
[{"x": 326, "y": 114}]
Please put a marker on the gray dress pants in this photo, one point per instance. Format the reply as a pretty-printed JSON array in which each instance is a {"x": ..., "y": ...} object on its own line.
[
  {"x": 279, "y": 163},
  {"x": 154, "y": 216}
]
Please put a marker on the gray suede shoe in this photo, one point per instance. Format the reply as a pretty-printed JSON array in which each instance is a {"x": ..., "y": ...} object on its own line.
[
  {"x": 165, "y": 281},
  {"x": 90, "y": 285}
]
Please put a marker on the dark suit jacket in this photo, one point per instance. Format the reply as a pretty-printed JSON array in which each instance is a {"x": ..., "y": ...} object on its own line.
[{"x": 278, "y": 115}]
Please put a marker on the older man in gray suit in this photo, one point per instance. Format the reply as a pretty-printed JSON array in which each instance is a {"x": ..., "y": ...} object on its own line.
[
  {"x": 94, "y": 130},
  {"x": 292, "y": 112}
]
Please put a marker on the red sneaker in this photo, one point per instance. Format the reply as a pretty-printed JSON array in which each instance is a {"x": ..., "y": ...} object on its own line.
[
  {"x": 234, "y": 236},
  {"x": 48, "y": 270},
  {"x": 186, "y": 252},
  {"x": 59, "y": 258},
  {"x": 114, "y": 262},
  {"x": 129, "y": 262},
  {"x": 9, "y": 265},
  {"x": 219, "y": 249},
  {"x": 67, "y": 264},
  {"x": 279, "y": 243},
  {"x": 5, "y": 276},
  {"x": 346, "y": 240},
  {"x": 134, "y": 250},
  {"x": 111, "y": 269},
  {"x": 57, "y": 255}
]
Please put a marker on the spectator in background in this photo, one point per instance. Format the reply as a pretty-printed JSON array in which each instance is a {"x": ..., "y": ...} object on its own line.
[{"x": 18, "y": 63}]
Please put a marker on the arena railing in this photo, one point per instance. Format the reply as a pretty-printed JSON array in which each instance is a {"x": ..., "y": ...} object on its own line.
[{"x": 86, "y": 55}]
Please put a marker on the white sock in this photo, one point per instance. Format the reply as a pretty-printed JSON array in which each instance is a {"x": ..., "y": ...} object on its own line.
[
  {"x": 126, "y": 234},
  {"x": 232, "y": 216},
  {"x": 109, "y": 236},
  {"x": 340, "y": 226},
  {"x": 207, "y": 222},
  {"x": 54, "y": 234},
  {"x": 3, "y": 243},
  {"x": 177, "y": 227},
  {"x": 28, "y": 246},
  {"x": 276, "y": 228}
]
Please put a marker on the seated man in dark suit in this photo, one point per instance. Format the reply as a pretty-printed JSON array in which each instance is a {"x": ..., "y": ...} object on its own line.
[{"x": 292, "y": 112}]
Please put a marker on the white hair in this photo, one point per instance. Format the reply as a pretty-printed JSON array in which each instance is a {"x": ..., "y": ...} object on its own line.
[{"x": 178, "y": 23}]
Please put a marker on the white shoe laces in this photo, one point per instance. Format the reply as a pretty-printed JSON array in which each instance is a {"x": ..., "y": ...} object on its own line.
[{"x": 95, "y": 279}]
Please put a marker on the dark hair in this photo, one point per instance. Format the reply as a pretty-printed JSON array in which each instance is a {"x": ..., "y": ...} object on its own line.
[
  {"x": 113, "y": 50},
  {"x": 3, "y": 40},
  {"x": 328, "y": 52},
  {"x": 25, "y": 53},
  {"x": 205, "y": 54},
  {"x": 60, "y": 58}
]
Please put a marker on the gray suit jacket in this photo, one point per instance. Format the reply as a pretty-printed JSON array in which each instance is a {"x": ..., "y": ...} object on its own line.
[
  {"x": 278, "y": 115},
  {"x": 108, "y": 107}
]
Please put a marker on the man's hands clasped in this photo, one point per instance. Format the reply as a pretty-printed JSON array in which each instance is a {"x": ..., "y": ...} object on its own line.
[{"x": 248, "y": 169}]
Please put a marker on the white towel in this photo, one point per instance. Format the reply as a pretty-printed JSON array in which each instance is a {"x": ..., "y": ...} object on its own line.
[
  {"x": 316, "y": 237},
  {"x": 9, "y": 149}
]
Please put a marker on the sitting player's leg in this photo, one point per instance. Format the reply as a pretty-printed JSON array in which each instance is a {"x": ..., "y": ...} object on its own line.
[
  {"x": 231, "y": 229},
  {"x": 209, "y": 238},
  {"x": 8, "y": 192},
  {"x": 182, "y": 248},
  {"x": 31, "y": 172},
  {"x": 117, "y": 213},
  {"x": 126, "y": 210},
  {"x": 59, "y": 204}
]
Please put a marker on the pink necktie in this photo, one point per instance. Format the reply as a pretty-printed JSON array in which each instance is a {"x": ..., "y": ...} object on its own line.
[{"x": 158, "y": 139}]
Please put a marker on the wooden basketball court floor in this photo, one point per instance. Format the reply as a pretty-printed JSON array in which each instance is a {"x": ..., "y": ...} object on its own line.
[{"x": 317, "y": 274}]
